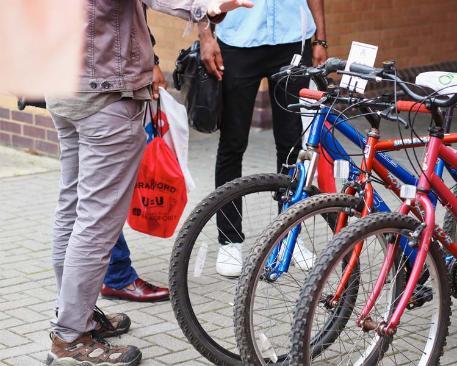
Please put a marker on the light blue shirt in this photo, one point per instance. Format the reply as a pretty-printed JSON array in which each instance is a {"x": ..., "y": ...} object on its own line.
[{"x": 270, "y": 22}]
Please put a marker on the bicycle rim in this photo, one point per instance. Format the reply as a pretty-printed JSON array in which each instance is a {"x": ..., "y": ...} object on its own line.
[
  {"x": 270, "y": 303},
  {"x": 418, "y": 340}
]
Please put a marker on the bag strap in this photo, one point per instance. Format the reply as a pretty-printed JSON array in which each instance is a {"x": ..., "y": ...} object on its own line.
[
  {"x": 159, "y": 127},
  {"x": 149, "y": 116}
]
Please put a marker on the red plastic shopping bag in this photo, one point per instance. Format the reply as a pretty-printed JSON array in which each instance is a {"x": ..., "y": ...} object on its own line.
[{"x": 160, "y": 195}]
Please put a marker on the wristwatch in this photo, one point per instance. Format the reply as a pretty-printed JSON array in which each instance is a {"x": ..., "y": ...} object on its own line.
[
  {"x": 156, "y": 59},
  {"x": 320, "y": 42}
]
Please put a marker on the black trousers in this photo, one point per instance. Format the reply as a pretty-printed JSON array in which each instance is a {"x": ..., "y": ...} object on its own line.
[{"x": 244, "y": 70}]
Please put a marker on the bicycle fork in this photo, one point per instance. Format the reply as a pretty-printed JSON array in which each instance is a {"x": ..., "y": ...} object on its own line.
[
  {"x": 423, "y": 235},
  {"x": 276, "y": 266}
]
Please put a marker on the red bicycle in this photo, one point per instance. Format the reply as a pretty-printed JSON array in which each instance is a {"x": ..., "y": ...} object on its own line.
[{"x": 400, "y": 313}]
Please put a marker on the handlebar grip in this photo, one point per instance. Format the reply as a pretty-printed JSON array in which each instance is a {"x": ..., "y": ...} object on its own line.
[
  {"x": 361, "y": 69},
  {"x": 311, "y": 94},
  {"x": 408, "y": 106},
  {"x": 334, "y": 64},
  {"x": 23, "y": 102}
]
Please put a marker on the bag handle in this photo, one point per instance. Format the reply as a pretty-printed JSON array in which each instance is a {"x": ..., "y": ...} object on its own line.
[
  {"x": 159, "y": 124},
  {"x": 146, "y": 114},
  {"x": 158, "y": 127}
]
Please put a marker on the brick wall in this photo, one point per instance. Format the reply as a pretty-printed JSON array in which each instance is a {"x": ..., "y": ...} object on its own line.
[
  {"x": 413, "y": 32},
  {"x": 28, "y": 131}
]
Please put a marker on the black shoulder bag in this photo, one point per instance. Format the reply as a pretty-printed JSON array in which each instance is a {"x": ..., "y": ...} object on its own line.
[{"x": 202, "y": 92}]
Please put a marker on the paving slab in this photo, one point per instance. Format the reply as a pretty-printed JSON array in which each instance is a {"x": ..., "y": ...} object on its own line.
[{"x": 28, "y": 192}]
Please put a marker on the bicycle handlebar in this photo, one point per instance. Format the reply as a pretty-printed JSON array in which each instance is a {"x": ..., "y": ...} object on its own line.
[
  {"x": 332, "y": 64},
  {"x": 364, "y": 69},
  {"x": 22, "y": 103},
  {"x": 408, "y": 106},
  {"x": 367, "y": 72},
  {"x": 402, "y": 105},
  {"x": 364, "y": 72}
]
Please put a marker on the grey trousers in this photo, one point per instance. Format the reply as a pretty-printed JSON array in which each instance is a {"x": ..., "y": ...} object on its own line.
[{"x": 99, "y": 158}]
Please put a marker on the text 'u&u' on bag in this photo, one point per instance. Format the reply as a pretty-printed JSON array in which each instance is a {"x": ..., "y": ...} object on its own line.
[{"x": 160, "y": 193}]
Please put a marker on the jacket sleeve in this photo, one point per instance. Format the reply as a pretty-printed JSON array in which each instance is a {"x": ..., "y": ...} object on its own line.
[{"x": 194, "y": 10}]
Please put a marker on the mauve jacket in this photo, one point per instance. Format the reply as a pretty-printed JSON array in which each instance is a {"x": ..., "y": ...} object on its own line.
[{"x": 118, "y": 54}]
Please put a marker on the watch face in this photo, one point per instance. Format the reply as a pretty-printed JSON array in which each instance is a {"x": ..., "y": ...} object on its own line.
[{"x": 320, "y": 43}]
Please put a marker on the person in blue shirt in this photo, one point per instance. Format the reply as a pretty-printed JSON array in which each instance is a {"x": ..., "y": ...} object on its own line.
[
  {"x": 121, "y": 280},
  {"x": 249, "y": 46}
]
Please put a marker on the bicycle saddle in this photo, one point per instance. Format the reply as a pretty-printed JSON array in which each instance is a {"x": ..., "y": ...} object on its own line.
[{"x": 442, "y": 82}]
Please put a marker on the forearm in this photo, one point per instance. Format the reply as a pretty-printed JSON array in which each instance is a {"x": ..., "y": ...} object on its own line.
[
  {"x": 317, "y": 10},
  {"x": 205, "y": 30}
]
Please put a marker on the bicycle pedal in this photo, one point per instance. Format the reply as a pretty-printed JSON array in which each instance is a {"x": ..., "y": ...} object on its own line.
[{"x": 421, "y": 295}]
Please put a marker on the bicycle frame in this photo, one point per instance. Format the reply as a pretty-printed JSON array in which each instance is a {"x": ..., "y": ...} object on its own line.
[
  {"x": 436, "y": 149},
  {"x": 390, "y": 171}
]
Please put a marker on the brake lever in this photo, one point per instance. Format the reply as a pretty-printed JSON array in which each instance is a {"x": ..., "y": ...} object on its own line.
[
  {"x": 305, "y": 104},
  {"x": 288, "y": 70},
  {"x": 386, "y": 114}
]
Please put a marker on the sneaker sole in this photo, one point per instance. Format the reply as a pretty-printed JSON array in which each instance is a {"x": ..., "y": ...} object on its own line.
[
  {"x": 124, "y": 299},
  {"x": 66, "y": 361}
]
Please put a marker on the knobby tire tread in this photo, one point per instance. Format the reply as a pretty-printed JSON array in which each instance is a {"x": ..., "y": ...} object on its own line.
[{"x": 182, "y": 250}]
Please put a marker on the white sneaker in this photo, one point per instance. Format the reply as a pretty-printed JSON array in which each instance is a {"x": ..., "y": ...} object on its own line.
[
  {"x": 303, "y": 258},
  {"x": 229, "y": 260}
]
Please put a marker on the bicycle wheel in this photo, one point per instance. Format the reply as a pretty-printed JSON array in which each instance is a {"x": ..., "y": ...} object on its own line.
[
  {"x": 201, "y": 298},
  {"x": 422, "y": 332},
  {"x": 264, "y": 305}
]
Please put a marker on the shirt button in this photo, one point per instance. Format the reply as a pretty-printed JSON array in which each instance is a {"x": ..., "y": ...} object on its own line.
[
  {"x": 106, "y": 85},
  {"x": 198, "y": 13},
  {"x": 93, "y": 85}
]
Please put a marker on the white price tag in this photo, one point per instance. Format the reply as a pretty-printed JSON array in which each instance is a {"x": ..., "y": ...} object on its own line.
[
  {"x": 364, "y": 54},
  {"x": 296, "y": 60},
  {"x": 266, "y": 349},
  {"x": 408, "y": 191},
  {"x": 341, "y": 169}
]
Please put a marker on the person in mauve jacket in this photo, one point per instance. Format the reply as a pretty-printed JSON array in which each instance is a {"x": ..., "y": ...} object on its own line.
[{"x": 102, "y": 139}]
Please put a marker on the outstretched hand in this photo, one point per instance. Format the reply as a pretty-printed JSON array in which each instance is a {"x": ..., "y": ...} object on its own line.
[{"x": 216, "y": 7}]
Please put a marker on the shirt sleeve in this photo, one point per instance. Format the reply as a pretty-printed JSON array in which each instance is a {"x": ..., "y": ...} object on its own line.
[{"x": 194, "y": 10}]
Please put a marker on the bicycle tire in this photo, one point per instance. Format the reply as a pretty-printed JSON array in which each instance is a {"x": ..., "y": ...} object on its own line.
[
  {"x": 182, "y": 250},
  {"x": 321, "y": 205},
  {"x": 340, "y": 245}
]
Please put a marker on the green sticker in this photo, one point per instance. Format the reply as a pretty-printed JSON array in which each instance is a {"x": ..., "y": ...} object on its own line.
[{"x": 447, "y": 78}]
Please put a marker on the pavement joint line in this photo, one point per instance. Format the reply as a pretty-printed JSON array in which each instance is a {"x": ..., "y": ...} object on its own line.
[{"x": 158, "y": 320}]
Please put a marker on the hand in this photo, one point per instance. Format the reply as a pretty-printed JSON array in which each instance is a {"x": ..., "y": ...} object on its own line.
[
  {"x": 158, "y": 80},
  {"x": 216, "y": 7},
  {"x": 319, "y": 55},
  {"x": 210, "y": 52}
]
